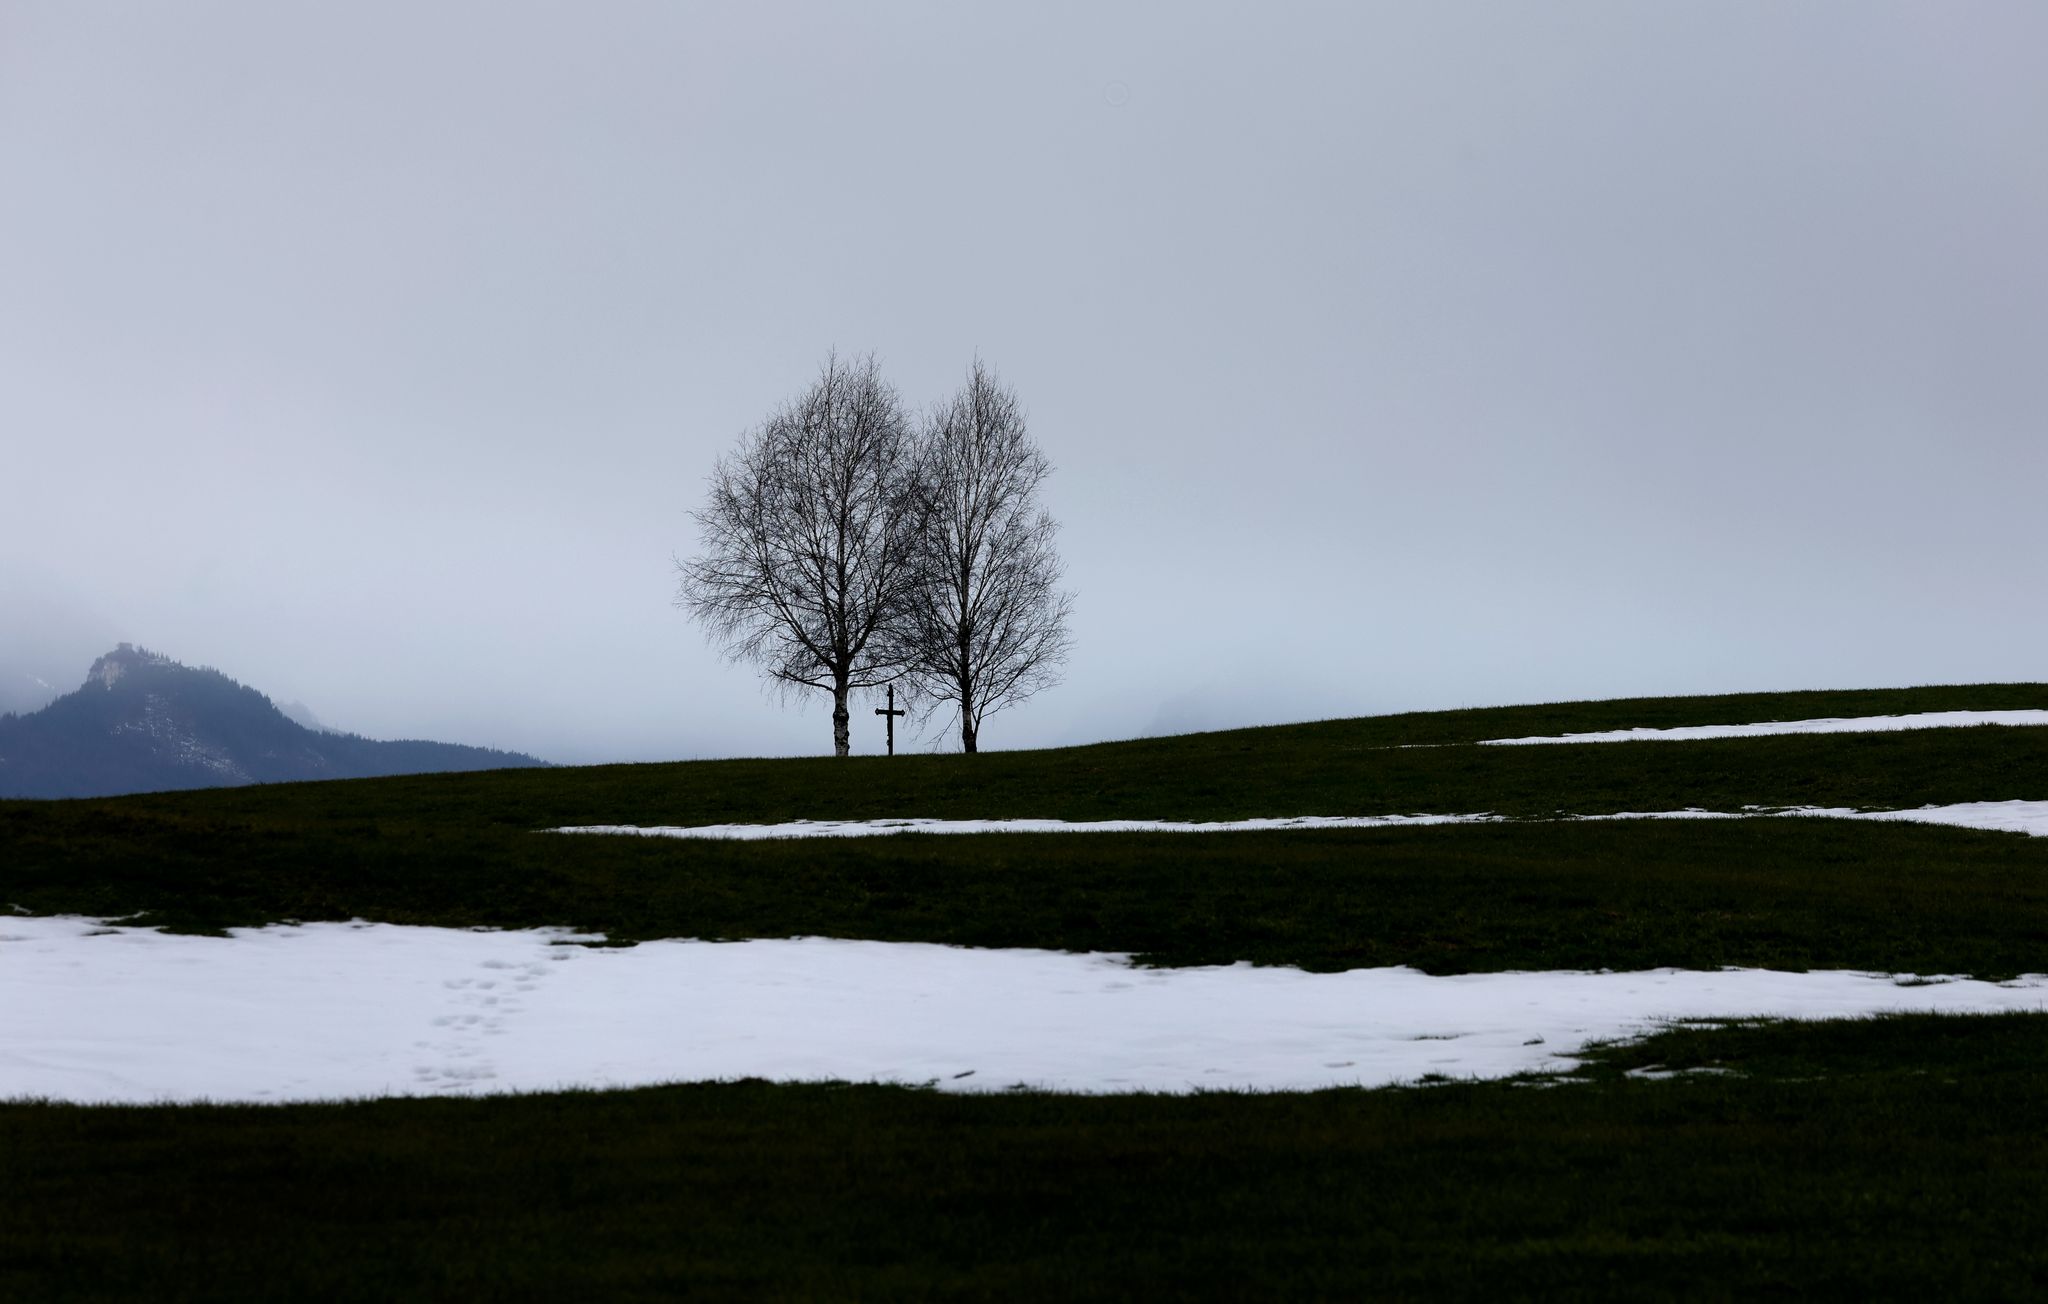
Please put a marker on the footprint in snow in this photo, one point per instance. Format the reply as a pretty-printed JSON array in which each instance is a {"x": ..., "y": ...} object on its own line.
[{"x": 480, "y": 1007}]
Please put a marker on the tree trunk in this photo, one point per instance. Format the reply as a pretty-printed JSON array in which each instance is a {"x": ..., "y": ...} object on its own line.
[
  {"x": 967, "y": 729},
  {"x": 842, "y": 720}
]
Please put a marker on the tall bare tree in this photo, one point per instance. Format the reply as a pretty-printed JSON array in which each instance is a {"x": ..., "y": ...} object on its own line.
[
  {"x": 985, "y": 624},
  {"x": 805, "y": 540}
]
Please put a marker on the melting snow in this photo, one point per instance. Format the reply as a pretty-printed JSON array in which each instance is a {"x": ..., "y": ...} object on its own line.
[
  {"x": 2008, "y": 816},
  {"x": 320, "y": 1011},
  {"x": 1849, "y": 724},
  {"x": 877, "y": 828},
  {"x": 1998, "y": 816},
  {"x": 2002, "y": 816}
]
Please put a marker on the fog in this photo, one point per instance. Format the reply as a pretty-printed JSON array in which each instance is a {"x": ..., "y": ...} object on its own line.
[{"x": 1391, "y": 355}]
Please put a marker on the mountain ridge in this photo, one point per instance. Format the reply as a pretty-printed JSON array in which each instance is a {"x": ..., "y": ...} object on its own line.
[{"x": 142, "y": 722}]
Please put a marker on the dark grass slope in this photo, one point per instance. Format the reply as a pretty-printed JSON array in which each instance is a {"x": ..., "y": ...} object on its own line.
[
  {"x": 1897, "y": 1159},
  {"x": 1379, "y": 765},
  {"x": 1894, "y": 1159},
  {"x": 464, "y": 850},
  {"x": 1786, "y": 893}
]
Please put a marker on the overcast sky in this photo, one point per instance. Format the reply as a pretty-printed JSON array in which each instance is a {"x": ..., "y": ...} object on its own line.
[{"x": 1391, "y": 355}]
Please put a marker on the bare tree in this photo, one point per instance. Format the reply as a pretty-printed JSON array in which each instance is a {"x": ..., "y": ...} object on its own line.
[
  {"x": 805, "y": 544},
  {"x": 985, "y": 625}
]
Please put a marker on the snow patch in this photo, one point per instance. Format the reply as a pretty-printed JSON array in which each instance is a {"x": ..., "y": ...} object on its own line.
[
  {"x": 880, "y": 828},
  {"x": 2006, "y": 816},
  {"x": 325, "y": 1011},
  {"x": 2001, "y": 816},
  {"x": 2029, "y": 817},
  {"x": 1846, "y": 724}
]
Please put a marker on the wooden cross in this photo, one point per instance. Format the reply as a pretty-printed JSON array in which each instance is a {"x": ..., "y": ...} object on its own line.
[{"x": 891, "y": 712}]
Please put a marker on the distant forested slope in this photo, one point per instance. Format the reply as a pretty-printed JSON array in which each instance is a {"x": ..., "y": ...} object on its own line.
[{"x": 144, "y": 723}]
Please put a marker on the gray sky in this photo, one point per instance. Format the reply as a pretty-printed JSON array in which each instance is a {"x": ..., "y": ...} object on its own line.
[{"x": 1391, "y": 355}]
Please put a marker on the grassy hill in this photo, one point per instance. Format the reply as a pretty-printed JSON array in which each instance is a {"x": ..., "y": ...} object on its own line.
[
  {"x": 464, "y": 850},
  {"x": 1872, "y": 1159}
]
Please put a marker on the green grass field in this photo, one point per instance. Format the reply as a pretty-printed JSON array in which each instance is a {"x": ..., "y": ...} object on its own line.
[
  {"x": 1868, "y": 1160},
  {"x": 1889, "y": 1158}
]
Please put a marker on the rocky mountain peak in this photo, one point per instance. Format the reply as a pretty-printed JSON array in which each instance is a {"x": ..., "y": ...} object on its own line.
[{"x": 107, "y": 671}]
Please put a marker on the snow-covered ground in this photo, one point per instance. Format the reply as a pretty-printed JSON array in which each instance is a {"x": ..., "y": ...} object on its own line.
[
  {"x": 320, "y": 1011},
  {"x": 880, "y": 828},
  {"x": 1998, "y": 816},
  {"x": 1847, "y": 724},
  {"x": 2007, "y": 816}
]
